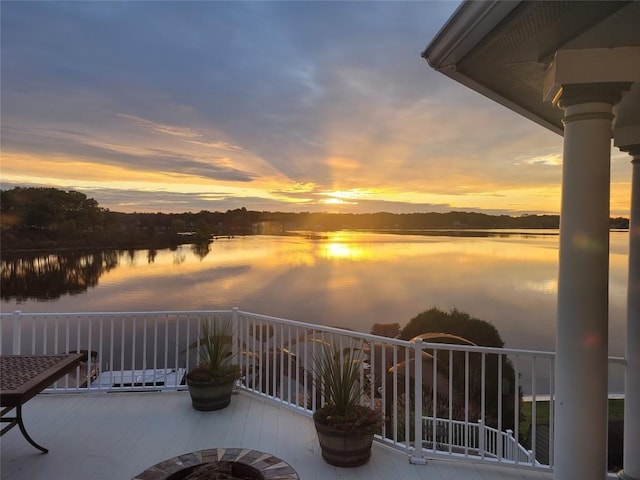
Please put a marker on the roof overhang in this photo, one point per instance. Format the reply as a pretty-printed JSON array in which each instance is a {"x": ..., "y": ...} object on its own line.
[{"x": 503, "y": 49}]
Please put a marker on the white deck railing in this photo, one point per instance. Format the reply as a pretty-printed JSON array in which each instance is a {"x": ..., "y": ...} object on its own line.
[{"x": 460, "y": 401}]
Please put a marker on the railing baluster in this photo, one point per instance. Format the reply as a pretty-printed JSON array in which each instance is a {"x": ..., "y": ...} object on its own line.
[
  {"x": 67, "y": 345},
  {"x": 516, "y": 399},
  {"x": 373, "y": 373},
  {"x": 534, "y": 416},
  {"x": 305, "y": 346},
  {"x": 122, "y": 349},
  {"x": 56, "y": 325},
  {"x": 99, "y": 356},
  {"x": 279, "y": 349},
  {"x": 111, "y": 343},
  {"x": 176, "y": 353},
  {"x": 292, "y": 367},
  {"x": 33, "y": 337},
  {"x": 144, "y": 345},
  {"x": 552, "y": 403},
  {"x": 166, "y": 341},
  {"x": 251, "y": 346},
  {"x": 396, "y": 393},
  {"x": 89, "y": 349},
  {"x": 155, "y": 345},
  {"x": 256, "y": 363},
  {"x": 17, "y": 333},
  {"x": 44, "y": 340},
  {"x": 407, "y": 398},
  {"x": 133, "y": 350},
  {"x": 483, "y": 400},
  {"x": 466, "y": 401},
  {"x": 434, "y": 397},
  {"x": 450, "y": 416},
  {"x": 499, "y": 397}
]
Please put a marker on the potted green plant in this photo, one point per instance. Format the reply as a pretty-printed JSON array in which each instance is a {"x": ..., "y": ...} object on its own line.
[
  {"x": 345, "y": 426},
  {"x": 211, "y": 382}
]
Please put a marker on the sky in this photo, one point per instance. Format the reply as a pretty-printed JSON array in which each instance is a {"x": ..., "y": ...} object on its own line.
[{"x": 273, "y": 106}]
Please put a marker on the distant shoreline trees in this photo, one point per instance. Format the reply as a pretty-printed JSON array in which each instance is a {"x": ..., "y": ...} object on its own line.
[{"x": 49, "y": 218}]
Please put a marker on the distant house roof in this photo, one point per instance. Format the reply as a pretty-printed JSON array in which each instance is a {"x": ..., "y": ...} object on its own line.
[{"x": 502, "y": 49}]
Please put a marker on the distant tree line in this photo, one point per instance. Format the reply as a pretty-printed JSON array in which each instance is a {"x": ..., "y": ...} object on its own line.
[{"x": 48, "y": 218}]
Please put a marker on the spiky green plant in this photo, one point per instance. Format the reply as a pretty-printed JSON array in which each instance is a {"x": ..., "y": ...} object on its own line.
[
  {"x": 337, "y": 374},
  {"x": 215, "y": 353}
]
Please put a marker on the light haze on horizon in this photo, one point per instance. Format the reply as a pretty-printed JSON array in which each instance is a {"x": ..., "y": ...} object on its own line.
[{"x": 274, "y": 106}]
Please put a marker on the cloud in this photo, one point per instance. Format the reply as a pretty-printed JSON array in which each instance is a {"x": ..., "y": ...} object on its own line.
[
  {"x": 57, "y": 146},
  {"x": 162, "y": 128}
]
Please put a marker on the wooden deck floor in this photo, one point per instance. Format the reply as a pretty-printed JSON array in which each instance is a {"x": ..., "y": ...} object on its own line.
[{"x": 118, "y": 435}]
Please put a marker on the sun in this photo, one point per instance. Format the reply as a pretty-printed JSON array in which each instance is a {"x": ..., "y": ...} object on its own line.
[
  {"x": 333, "y": 201},
  {"x": 343, "y": 197}
]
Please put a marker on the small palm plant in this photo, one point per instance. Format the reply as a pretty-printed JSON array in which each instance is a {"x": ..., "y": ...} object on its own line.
[
  {"x": 211, "y": 381},
  {"x": 215, "y": 354},
  {"x": 338, "y": 378}
]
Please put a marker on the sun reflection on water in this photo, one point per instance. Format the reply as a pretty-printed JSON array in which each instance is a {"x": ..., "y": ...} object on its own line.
[
  {"x": 549, "y": 286},
  {"x": 340, "y": 251}
]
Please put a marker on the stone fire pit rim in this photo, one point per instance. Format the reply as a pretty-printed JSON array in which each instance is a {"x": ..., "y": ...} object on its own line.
[{"x": 269, "y": 466}]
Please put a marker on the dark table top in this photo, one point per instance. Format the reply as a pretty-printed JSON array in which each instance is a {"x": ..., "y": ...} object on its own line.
[{"x": 24, "y": 376}]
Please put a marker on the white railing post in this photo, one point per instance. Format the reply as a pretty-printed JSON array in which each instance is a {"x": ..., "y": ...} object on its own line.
[
  {"x": 418, "y": 457},
  {"x": 481, "y": 438},
  {"x": 17, "y": 333}
]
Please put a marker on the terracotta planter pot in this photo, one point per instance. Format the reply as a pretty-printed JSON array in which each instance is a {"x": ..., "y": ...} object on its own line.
[
  {"x": 207, "y": 396},
  {"x": 344, "y": 449}
]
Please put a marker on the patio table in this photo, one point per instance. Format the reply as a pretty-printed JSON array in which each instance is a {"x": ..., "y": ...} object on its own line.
[{"x": 22, "y": 377}]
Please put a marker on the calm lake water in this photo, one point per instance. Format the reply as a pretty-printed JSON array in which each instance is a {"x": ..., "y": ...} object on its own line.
[{"x": 349, "y": 279}]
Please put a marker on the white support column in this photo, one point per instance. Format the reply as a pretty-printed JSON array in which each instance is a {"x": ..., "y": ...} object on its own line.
[
  {"x": 586, "y": 84},
  {"x": 580, "y": 445},
  {"x": 631, "y": 461}
]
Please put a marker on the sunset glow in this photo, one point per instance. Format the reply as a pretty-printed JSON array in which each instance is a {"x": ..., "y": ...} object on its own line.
[{"x": 169, "y": 125}]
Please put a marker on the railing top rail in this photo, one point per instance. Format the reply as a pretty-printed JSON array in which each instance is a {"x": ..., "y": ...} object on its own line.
[
  {"x": 403, "y": 343},
  {"x": 93, "y": 314},
  {"x": 323, "y": 328},
  {"x": 480, "y": 349}
]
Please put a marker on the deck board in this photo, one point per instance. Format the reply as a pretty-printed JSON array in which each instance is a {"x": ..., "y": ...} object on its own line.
[{"x": 110, "y": 436}]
